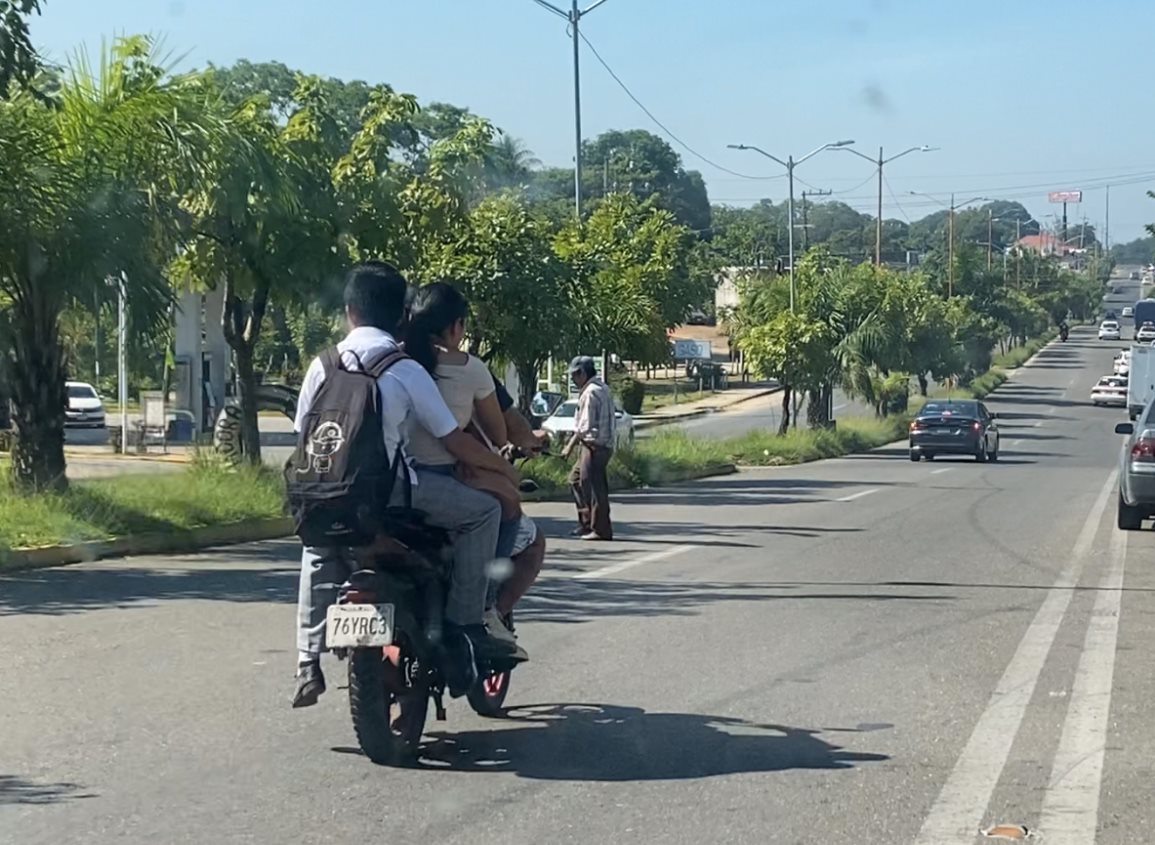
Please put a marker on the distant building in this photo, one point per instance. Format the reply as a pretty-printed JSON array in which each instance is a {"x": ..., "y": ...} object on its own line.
[{"x": 1045, "y": 244}]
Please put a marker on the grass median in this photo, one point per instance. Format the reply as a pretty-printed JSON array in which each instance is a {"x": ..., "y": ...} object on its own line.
[{"x": 101, "y": 509}]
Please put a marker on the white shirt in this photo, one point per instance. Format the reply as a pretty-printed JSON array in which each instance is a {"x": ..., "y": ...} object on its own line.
[
  {"x": 461, "y": 386},
  {"x": 408, "y": 394}
]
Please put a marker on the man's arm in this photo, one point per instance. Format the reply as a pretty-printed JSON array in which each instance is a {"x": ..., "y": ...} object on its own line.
[{"x": 469, "y": 450}]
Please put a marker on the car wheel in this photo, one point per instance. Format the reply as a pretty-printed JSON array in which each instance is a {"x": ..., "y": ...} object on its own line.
[
  {"x": 914, "y": 456},
  {"x": 981, "y": 454},
  {"x": 994, "y": 456},
  {"x": 1128, "y": 517}
]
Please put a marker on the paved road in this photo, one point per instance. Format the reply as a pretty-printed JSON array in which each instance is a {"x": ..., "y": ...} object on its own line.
[
  {"x": 859, "y": 651},
  {"x": 762, "y": 413}
]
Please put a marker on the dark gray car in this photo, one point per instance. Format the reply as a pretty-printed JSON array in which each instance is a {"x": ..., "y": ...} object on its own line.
[
  {"x": 1137, "y": 471},
  {"x": 954, "y": 427}
]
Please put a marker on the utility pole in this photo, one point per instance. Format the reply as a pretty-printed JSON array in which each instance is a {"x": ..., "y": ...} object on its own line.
[
  {"x": 805, "y": 224},
  {"x": 879, "y": 164},
  {"x": 790, "y": 164},
  {"x": 950, "y": 251},
  {"x": 1018, "y": 253},
  {"x": 1107, "y": 226},
  {"x": 574, "y": 16},
  {"x": 990, "y": 236}
]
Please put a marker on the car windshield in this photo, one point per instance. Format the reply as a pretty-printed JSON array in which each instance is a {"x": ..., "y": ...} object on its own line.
[
  {"x": 566, "y": 410},
  {"x": 1110, "y": 325},
  {"x": 1112, "y": 381},
  {"x": 931, "y": 409},
  {"x": 80, "y": 391}
]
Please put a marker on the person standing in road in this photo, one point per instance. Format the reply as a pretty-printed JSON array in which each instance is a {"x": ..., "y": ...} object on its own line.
[{"x": 593, "y": 436}]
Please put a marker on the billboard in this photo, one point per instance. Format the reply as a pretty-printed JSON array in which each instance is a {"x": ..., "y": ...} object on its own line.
[{"x": 1065, "y": 196}]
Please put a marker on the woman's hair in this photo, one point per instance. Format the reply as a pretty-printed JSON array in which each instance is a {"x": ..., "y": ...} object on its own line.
[{"x": 435, "y": 309}]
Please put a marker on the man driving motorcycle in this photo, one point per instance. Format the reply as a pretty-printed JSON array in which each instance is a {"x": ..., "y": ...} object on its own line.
[{"x": 375, "y": 299}]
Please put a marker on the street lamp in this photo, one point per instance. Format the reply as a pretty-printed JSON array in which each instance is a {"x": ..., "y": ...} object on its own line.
[
  {"x": 953, "y": 207},
  {"x": 790, "y": 164},
  {"x": 574, "y": 15},
  {"x": 879, "y": 163}
]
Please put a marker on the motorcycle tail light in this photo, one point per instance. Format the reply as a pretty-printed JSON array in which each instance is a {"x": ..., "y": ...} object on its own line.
[{"x": 360, "y": 596}]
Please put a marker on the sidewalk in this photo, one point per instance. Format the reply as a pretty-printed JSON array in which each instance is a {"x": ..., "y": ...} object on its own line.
[{"x": 715, "y": 402}]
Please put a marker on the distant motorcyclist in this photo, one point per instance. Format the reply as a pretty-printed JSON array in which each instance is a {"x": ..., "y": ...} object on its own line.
[{"x": 1064, "y": 330}]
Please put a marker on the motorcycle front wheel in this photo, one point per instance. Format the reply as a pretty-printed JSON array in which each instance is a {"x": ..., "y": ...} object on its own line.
[{"x": 388, "y": 725}]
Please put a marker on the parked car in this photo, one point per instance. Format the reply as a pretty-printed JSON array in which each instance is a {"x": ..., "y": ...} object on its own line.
[
  {"x": 561, "y": 423},
  {"x": 84, "y": 409},
  {"x": 1146, "y": 333},
  {"x": 954, "y": 427},
  {"x": 1137, "y": 471},
  {"x": 1110, "y": 391},
  {"x": 1109, "y": 330}
]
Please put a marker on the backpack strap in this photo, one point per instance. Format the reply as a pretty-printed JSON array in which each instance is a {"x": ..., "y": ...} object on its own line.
[
  {"x": 331, "y": 360},
  {"x": 379, "y": 367}
]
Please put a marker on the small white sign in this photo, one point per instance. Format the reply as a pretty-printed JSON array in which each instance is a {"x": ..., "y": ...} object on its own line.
[{"x": 690, "y": 350}]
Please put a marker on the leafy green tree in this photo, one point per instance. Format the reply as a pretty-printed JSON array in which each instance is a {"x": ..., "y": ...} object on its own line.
[
  {"x": 86, "y": 193},
  {"x": 636, "y": 273},
  {"x": 745, "y": 237},
  {"x": 519, "y": 291},
  {"x": 19, "y": 62}
]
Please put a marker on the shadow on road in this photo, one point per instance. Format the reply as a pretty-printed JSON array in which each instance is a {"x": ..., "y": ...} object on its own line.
[
  {"x": 14, "y": 790},
  {"x": 74, "y": 590},
  {"x": 559, "y": 598},
  {"x": 604, "y": 742}
]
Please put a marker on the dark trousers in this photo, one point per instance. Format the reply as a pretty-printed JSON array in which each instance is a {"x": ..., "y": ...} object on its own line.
[{"x": 591, "y": 490}]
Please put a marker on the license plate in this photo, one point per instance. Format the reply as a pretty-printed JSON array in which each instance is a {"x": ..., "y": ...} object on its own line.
[{"x": 359, "y": 625}]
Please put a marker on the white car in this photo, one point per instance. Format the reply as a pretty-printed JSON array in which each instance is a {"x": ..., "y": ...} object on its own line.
[
  {"x": 1109, "y": 330},
  {"x": 84, "y": 409},
  {"x": 1111, "y": 390},
  {"x": 1146, "y": 333},
  {"x": 1123, "y": 363},
  {"x": 561, "y": 423},
  {"x": 1128, "y": 311}
]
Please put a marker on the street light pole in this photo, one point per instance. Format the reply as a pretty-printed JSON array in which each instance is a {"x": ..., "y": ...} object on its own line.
[
  {"x": 950, "y": 232},
  {"x": 879, "y": 164},
  {"x": 990, "y": 234},
  {"x": 573, "y": 16},
  {"x": 790, "y": 164}
]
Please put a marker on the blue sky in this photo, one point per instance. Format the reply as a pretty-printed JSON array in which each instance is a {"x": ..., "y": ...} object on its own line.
[{"x": 1021, "y": 98}]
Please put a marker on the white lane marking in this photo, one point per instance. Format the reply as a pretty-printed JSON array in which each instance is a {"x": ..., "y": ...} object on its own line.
[
  {"x": 1014, "y": 442},
  {"x": 1038, "y": 423},
  {"x": 1053, "y": 410},
  {"x": 857, "y": 495},
  {"x": 1071, "y": 805},
  {"x": 940, "y": 471},
  {"x": 622, "y": 566},
  {"x": 959, "y": 810}
]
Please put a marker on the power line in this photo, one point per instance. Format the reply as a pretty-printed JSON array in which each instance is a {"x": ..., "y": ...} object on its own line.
[
  {"x": 661, "y": 125},
  {"x": 890, "y": 190}
]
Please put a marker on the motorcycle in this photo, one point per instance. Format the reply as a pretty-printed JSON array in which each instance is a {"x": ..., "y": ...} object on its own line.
[
  {"x": 388, "y": 624},
  {"x": 1064, "y": 332}
]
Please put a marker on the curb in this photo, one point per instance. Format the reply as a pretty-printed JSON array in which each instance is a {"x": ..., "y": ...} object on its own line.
[
  {"x": 655, "y": 420},
  {"x": 145, "y": 544},
  {"x": 673, "y": 478},
  {"x": 234, "y": 533},
  {"x": 120, "y": 456}
]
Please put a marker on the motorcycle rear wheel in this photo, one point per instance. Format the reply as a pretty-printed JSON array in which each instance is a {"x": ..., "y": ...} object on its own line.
[
  {"x": 487, "y": 697},
  {"x": 388, "y": 726}
]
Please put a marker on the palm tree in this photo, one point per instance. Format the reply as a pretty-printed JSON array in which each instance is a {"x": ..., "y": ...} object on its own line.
[
  {"x": 87, "y": 192},
  {"x": 509, "y": 162}
]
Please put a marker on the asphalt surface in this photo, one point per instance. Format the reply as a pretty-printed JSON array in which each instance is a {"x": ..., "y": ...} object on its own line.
[{"x": 862, "y": 650}]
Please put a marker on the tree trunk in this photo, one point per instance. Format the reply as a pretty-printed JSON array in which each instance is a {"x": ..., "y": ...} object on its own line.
[
  {"x": 922, "y": 384},
  {"x": 241, "y": 322},
  {"x": 526, "y": 383},
  {"x": 247, "y": 390},
  {"x": 784, "y": 425},
  {"x": 36, "y": 382}
]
